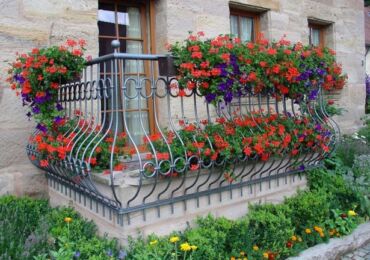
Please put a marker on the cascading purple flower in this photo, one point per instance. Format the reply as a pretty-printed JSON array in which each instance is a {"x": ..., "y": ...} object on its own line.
[
  {"x": 35, "y": 110},
  {"x": 228, "y": 97},
  {"x": 59, "y": 107},
  {"x": 19, "y": 79},
  {"x": 58, "y": 120},
  {"x": 42, "y": 128},
  {"x": 313, "y": 94},
  {"x": 210, "y": 97}
]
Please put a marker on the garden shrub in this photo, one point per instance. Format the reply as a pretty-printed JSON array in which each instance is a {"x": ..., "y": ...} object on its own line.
[
  {"x": 270, "y": 226},
  {"x": 365, "y": 131},
  {"x": 19, "y": 220},
  {"x": 30, "y": 229},
  {"x": 152, "y": 247},
  {"x": 211, "y": 236},
  {"x": 309, "y": 208}
]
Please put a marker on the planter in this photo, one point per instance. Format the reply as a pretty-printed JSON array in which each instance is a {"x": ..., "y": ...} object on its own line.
[{"x": 166, "y": 66}]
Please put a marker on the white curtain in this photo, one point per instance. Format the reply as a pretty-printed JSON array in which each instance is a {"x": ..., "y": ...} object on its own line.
[
  {"x": 133, "y": 66},
  {"x": 234, "y": 25},
  {"x": 246, "y": 29},
  {"x": 315, "y": 37}
]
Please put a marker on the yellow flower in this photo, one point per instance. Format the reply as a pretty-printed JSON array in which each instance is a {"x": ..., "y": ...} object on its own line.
[
  {"x": 245, "y": 258},
  {"x": 265, "y": 255},
  {"x": 352, "y": 213},
  {"x": 308, "y": 231},
  {"x": 174, "y": 239},
  {"x": 232, "y": 258},
  {"x": 185, "y": 247},
  {"x": 242, "y": 253},
  {"x": 255, "y": 248},
  {"x": 318, "y": 229},
  {"x": 294, "y": 238},
  {"x": 67, "y": 219},
  {"x": 194, "y": 247},
  {"x": 299, "y": 239},
  {"x": 153, "y": 242}
]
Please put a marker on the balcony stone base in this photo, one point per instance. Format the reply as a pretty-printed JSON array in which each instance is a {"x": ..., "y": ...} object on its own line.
[{"x": 164, "y": 219}]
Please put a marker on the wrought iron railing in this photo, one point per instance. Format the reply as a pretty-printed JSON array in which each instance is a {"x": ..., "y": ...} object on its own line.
[{"x": 130, "y": 125}]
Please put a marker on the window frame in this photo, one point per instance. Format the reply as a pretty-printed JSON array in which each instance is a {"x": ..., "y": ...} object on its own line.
[
  {"x": 321, "y": 29},
  {"x": 247, "y": 14},
  {"x": 147, "y": 18}
]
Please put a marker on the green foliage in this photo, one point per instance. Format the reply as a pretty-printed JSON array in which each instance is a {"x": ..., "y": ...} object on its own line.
[
  {"x": 309, "y": 208},
  {"x": 19, "y": 222},
  {"x": 341, "y": 222},
  {"x": 30, "y": 229},
  {"x": 365, "y": 130},
  {"x": 270, "y": 226},
  {"x": 211, "y": 236},
  {"x": 350, "y": 147}
]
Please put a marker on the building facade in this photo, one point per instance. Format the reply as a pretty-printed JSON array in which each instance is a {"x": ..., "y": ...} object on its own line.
[{"x": 146, "y": 26}]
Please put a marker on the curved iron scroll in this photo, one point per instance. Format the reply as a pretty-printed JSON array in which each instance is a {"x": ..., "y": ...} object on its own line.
[{"x": 156, "y": 144}]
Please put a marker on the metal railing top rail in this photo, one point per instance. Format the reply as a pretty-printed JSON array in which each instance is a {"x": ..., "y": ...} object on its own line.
[{"x": 178, "y": 156}]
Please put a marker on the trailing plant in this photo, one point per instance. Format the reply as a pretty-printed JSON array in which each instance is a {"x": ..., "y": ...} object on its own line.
[
  {"x": 37, "y": 76},
  {"x": 224, "y": 68}
]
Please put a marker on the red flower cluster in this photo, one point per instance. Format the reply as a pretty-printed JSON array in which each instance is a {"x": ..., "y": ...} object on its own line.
[{"x": 223, "y": 68}]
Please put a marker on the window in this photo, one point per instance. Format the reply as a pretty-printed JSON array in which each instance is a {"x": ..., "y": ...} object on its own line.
[
  {"x": 244, "y": 24},
  {"x": 316, "y": 35},
  {"x": 321, "y": 32},
  {"x": 127, "y": 22}
]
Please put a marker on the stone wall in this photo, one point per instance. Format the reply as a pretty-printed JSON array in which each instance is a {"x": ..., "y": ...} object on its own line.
[
  {"x": 24, "y": 25},
  {"x": 284, "y": 17}
]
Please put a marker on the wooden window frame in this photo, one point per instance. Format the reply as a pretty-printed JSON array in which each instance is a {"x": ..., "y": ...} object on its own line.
[
  {"x": 321, "y": 29},
  {"x": 248, "y": 14},
  {"x": 146, "y": 7}
]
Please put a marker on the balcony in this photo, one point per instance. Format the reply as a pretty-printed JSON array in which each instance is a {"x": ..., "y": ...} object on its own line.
[{"x": 135, "y": 141}]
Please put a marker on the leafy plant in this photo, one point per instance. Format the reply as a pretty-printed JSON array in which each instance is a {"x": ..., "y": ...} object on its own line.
[{"x": 224, "y": 68}]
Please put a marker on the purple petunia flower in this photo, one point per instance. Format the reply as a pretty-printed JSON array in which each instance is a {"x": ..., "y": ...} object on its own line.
[
  {"x": 228, "y": 97},
  {"x": 42, "y": 128},
  {"x": 302, "y": 167},
  {"x": 222, "y": 87},
  {"x": 318, "y": 127},
  {"x": 19, "y": 78},
  {"x": 313, "y": 94},
  {"x": 58, "y": 120},
  {"x": 36, "y": 110},
  {"x": 320, "y": 72},
  {"x": 210, "y": 97},
  {"x": 59, "y": 107}
]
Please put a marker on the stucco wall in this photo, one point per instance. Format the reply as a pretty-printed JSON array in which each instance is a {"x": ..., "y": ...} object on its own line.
[{"x": 25, "y": 24}]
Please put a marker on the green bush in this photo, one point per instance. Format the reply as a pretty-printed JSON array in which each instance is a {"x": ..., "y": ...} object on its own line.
[
  {"x": 21, "y": 230},
  {"x": 211, "y": 236},
  {"x": 270, "y": 226},
  {"x": 30, "y": 229},
  {"x": 309, "y": 208}
]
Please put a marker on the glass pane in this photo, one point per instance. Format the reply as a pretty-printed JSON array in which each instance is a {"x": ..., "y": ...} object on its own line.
[
  {"x": 106, "y": 19},
  {"x": 234, "y": 25},
  {"x": 134, "y": 125},
  {"x": 129, "y": 22},
  {"x": 246, "y": 29},
  {"x": 135, "y": 47},
  {"x": 315, "y": 36},
  {"x": 105, "y": 48},
  {"x": 133, "y": 94}
]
